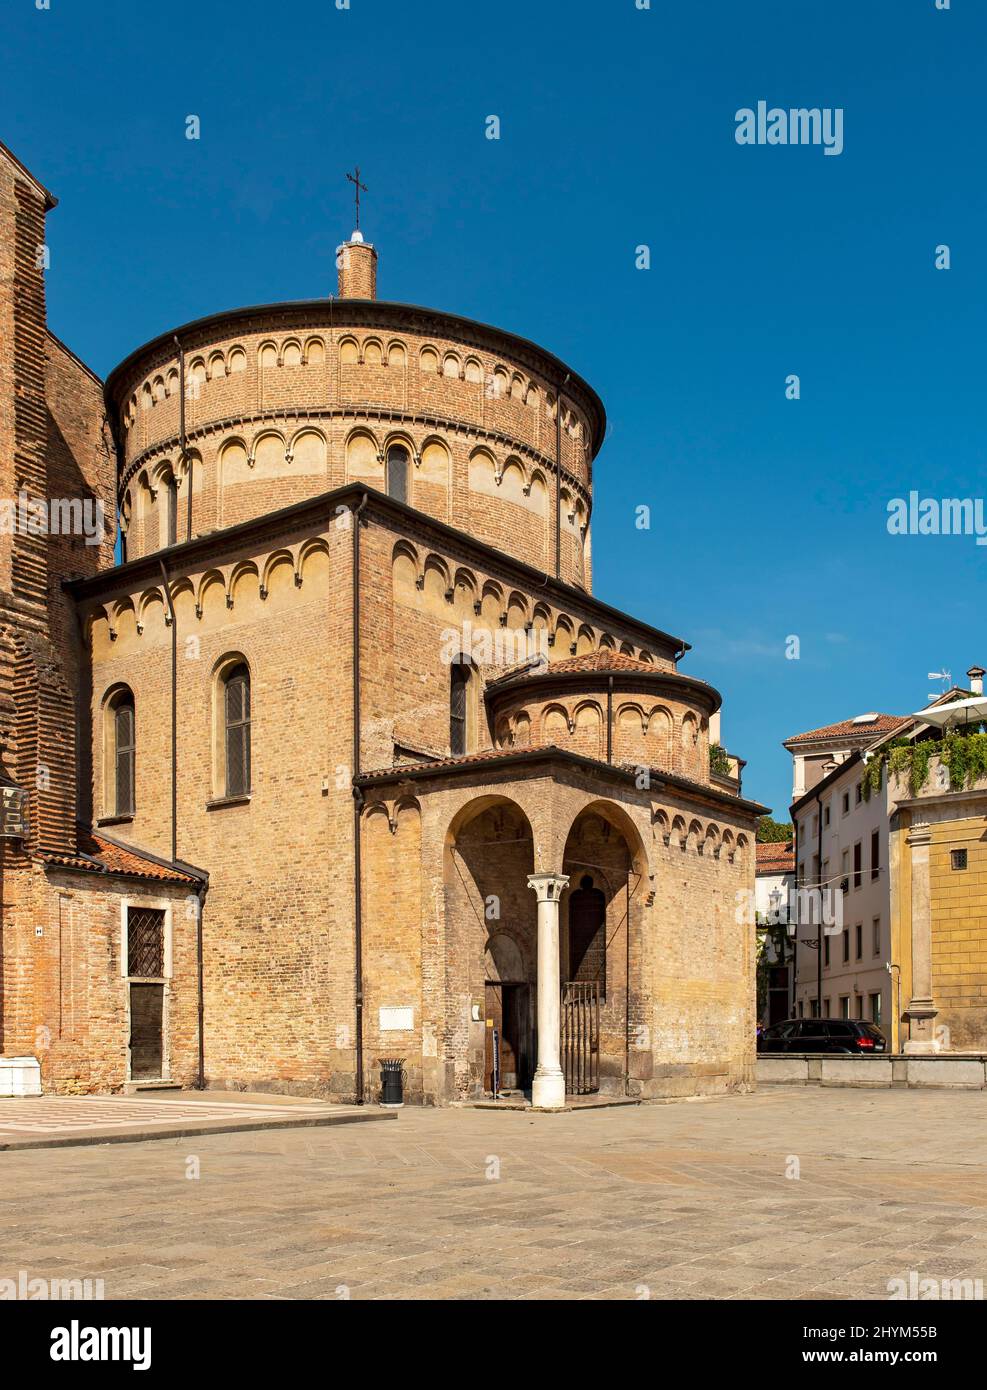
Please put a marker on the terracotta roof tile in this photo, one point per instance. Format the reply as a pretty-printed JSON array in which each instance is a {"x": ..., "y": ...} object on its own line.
[
  {"x": 881, "y": 724},
  {"x": 464, "y": 760},
  {"x": 778, "y": 857},
  {"x": 590, "y": 661},
  {"x": 101, "y": 856}
]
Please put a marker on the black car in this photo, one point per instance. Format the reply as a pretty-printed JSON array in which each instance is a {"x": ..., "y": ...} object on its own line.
[{"x": 823, "y": 1035}]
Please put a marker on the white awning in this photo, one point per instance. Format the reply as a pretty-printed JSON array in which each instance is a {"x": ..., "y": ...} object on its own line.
[{"x": 960, "y": 713}]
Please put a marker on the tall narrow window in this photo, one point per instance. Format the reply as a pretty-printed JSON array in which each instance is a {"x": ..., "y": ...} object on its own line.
[
  {"x": 172, "y": 504},
  {"x": 236, "y": 710},
  {"x": 875, "y": 854},
  {"x": 124, "y": 755},
  {"x": 397, "y": 474},
  {"x": 459, "y": 707}
]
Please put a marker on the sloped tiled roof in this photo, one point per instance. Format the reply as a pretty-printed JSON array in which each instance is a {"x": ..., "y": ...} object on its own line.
[
  {"x": 98, "y": 855},
  {"x": 778, "y": 858},
  {"x": 535, "y": 751},
  {"x": 464, "y": 760},
  {"x": 588, "y": 663},
  {"x": 881, "y": 724}
]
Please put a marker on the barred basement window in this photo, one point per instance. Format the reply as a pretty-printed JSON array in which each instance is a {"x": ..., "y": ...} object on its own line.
[
  {"x": 236, "y": 709},
  {"x": 145, "y": 942},
  {"x": 958, "y": 858}
]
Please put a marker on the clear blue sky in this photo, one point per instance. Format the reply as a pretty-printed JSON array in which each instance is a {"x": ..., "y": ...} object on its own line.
[{"x": 768, "y": 515}]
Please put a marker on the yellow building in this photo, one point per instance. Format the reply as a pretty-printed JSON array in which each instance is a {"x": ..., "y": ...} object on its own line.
[{"x": 939, "y": 913}]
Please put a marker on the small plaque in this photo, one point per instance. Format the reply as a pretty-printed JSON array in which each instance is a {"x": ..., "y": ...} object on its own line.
[{"x": 397, "y": 1020}]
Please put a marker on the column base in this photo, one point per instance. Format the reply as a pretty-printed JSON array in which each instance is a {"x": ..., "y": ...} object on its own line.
[
  {"x": 548, "y": 1091},
  {"x": 921, "y": 1014}
]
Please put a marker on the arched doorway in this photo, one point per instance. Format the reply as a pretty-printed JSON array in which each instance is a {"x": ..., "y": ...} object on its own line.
[
  {"x": 490, "y": 946},
  {"x": 508, "y": 1055},
  {"x": 599, "y": 947}
]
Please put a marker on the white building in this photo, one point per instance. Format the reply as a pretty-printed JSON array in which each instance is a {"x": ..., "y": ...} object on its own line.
[{"x": 774, "y": 878}]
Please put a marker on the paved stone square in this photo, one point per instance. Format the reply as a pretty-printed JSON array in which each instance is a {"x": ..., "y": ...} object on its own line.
[
  {"x": 682, "y": 1200},
  {"x": 48, "y": 1121}
]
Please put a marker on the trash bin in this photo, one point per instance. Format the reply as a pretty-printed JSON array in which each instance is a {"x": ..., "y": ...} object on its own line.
[{"x": 392, "y": 1081}]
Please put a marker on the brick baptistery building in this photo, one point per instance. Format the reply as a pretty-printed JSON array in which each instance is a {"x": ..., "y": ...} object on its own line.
[{"x": 344, "y": 761}]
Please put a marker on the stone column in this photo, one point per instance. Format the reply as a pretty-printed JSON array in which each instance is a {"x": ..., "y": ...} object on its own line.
[
  {"x": 548, "y": 1087},
  {"x": 921, "y": 1008}
]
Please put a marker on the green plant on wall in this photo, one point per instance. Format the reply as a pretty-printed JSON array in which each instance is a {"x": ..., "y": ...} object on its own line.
[
  {"x": 719, "y": 760},
  {"x": 774, "y": 831},
  {"x": 963, "y": 755}
]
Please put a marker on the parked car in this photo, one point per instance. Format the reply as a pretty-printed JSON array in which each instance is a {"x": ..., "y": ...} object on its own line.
[{"x": 823, "y": 1035}]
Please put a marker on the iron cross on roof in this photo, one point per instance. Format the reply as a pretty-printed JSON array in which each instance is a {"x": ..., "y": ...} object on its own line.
[{"x": 355, "y": 179}]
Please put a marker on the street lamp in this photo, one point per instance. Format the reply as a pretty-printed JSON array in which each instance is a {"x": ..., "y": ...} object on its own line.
[{"x": 891, "y": 966}]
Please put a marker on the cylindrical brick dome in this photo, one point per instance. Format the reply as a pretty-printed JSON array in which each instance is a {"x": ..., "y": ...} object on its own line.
[
  {"x": 286, "y": 401},
  {"x": 660, "y": 719}
]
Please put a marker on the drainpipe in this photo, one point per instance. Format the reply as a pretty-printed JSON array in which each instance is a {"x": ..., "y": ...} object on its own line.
[
  {"x": 609, "y": 719},
  {"x": 357, "y": 806},
  {"x": 200, "y": 991},
  {"x": 201, "y": 890},
  {"x": 174, "y": 713},
  {"x": 795, "y": 948},
  {"x": 558, "y": 477},
  {"x": 181, "y": 429},
  {"x": 822, "y": 925}
]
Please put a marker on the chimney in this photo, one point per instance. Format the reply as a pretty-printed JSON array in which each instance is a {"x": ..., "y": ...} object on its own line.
[
  {"x": 975, "y": 676},
  {"x": 356, "y": 260}
]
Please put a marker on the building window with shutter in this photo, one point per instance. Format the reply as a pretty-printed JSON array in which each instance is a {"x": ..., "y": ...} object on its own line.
[
  {"x": 172, "y": 505},
  {"x": 397, "y": 474},
  {"x": 120, "y": 765},
  {"x": 236, "y": 726},
  {"x": 460, "y": 674},
  {"x": 875, "y": 854},
  {"x": 126, "y": 750}
]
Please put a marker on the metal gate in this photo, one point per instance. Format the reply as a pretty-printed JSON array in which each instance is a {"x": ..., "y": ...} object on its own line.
[{"x": 581, "y": 1037}]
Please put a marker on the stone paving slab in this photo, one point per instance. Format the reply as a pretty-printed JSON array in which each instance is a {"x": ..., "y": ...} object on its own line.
[
  {"x": 692, "y": 1200},
  {"x": 37, "y": 1122}
]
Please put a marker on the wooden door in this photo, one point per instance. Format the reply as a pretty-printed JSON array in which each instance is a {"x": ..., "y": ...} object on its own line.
[{"x": 146, "y": 1037}]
